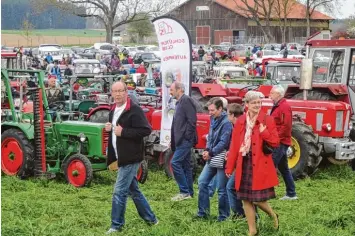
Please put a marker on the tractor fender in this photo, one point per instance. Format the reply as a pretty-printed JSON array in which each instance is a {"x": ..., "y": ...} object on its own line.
[
  {"x": 210, "y": 90},
  {"x": 25, "y": 128},
  {"x": 94, "y": 110}
]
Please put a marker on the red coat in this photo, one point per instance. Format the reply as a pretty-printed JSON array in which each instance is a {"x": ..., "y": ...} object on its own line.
[
  {"x": 264, "y": 172},
  {"x": 282, "y": 114}
]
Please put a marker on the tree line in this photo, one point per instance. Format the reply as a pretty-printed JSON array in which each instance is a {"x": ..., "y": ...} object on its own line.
[{"x": 15, "y": 12}]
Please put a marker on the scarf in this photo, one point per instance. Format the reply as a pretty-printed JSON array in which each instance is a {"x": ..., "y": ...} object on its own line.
[{"x": 245, "y": 147}]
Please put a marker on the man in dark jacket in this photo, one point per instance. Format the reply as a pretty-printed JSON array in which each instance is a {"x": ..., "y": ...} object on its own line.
[
  {"x": 127, "y": 126},
  {"x": 282, "y": 114},
  {"x": 183, "y": 138}
]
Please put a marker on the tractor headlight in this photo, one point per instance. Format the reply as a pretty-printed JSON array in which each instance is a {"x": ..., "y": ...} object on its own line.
[
  {"x": 82, "y": 137},
  {"x": 327, "y": 127}
]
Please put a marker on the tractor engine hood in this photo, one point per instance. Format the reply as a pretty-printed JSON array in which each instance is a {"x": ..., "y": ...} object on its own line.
[
  {"x": 327, "y": 118},
  {"x": 95, "y": 134}
]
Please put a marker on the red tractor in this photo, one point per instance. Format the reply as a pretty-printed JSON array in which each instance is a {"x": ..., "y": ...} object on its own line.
[{"x": 322, "y": 127}]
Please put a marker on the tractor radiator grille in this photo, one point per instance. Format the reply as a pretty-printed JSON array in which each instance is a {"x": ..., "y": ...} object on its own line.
[{"x": 104, "y": 142}]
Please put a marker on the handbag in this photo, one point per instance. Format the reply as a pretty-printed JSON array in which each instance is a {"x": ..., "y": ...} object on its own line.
[
  {"x": 267, "y": 149},
  {"x": 218, "y": 161}
]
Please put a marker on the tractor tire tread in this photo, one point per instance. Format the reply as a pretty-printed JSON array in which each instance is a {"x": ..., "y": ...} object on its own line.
[
  {"x": 144, "y": 166},
  {"x": 88, "y": 167},
  {"x": 29, "y": 155},
  {"x": 313, "y": 159}
]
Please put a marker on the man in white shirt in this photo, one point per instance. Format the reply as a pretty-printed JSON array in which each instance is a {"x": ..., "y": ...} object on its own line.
[{"x": 127, "y": 126}]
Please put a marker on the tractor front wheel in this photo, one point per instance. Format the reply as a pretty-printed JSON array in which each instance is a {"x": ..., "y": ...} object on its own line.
[
  {"x": 100, "y": 116},
  {"x": 303, "y": 154},
  {"x": 78, "y": 170},
  {"x": 17, "y": 154},
  {"x": 142, "y": 173}
]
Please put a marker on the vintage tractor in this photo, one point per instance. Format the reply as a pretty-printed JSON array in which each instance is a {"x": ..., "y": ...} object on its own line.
[
  {"x": 333, "y": 79},
  {"x": 35, "y": 145}
]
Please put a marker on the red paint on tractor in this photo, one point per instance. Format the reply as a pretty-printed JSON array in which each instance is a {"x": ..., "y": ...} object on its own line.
[
  {"x": 11, "y": 156},
  {"x": 41, "y": 125},
  {"x": 76, "y": 173}
]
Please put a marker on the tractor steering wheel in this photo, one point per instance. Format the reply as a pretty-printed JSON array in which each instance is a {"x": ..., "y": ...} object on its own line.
[
  {"x": 249, "y": 87},
  {"x": 57, "y": 106}
]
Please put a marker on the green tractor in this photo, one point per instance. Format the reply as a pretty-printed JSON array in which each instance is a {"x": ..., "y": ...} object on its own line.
[{"x": 35, "y": 145}]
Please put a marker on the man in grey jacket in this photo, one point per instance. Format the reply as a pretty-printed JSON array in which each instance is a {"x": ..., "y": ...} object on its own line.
[{"x": 183, "y": 138}]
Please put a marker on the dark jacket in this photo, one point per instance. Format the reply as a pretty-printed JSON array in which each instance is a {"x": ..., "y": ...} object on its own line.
[
  {"x": 130, "y": 146},
  {"x": 184, "y": 122},
  {"x": 282, "y": 114},
  {"x": 219, "y": 135}
]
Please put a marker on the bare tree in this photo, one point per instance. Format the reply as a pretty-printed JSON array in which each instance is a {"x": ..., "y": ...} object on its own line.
[
  {"x": 282, "y": 9},
  {"x": 112, "y": 13},
  {"x": 261, "y": 12},
  {"x": 27, "y": 28},
  {"x": 312, "y": 5}
]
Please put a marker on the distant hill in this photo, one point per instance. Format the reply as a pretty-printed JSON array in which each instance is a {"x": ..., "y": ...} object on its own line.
[{"x": 14, "y": 12}]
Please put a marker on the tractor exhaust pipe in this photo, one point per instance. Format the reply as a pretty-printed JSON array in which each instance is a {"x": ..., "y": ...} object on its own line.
[{"x": 306, "y": 76}]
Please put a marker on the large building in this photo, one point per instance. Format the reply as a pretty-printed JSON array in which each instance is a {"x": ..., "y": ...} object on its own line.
[{"x": 216, "y": 21}]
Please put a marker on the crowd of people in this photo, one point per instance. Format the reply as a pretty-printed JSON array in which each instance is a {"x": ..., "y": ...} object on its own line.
[{"x": 245, "y": 147}]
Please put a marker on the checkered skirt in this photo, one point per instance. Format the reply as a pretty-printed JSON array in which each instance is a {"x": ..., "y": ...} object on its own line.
[{"x": 245, "y": 190}]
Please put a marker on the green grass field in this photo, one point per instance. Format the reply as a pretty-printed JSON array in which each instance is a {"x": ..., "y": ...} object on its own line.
[
  {"x": 51, "y": 207},
  {"x": 61, "y": 32}
]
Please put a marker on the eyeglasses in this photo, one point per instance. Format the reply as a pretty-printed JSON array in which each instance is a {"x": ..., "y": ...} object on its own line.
[
  {"x": 255, "y": 102},
  {"x": 118, "y": 91}
]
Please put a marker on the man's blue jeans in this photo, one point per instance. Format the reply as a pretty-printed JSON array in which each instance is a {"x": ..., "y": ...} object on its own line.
[
  {"x": 212, "y": 187},
  {"x": 235, "y": 204},
  {"x": 127, "y": 184},
  {"x": 182, "y": 167},
  {"x": 204, "y": 180},
  {"x": 279, "y": 157}
]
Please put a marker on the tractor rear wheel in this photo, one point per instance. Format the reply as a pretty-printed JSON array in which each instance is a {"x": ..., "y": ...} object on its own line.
[
  {"x": 142, "y": 173},
  {"x": 17, "y": 153},
  {"x": 303, "y": 154},
  {"x": 78, "y": 170},
  {"x": 199, "y": 100},
  {"x": 168, "y": 156},
  {"x": 315, "y": 95},
  {"x": 100, "y": 116}
]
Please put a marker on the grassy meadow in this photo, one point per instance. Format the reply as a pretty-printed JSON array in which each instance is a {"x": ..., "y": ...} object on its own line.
[{"x": 326, "y": 207}]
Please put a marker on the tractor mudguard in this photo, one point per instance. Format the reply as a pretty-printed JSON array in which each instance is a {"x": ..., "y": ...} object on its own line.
[
  {"x": 94, "y": 110},
  {"x": 26, "y": 128},
  {"x": 211, "y": 90}
]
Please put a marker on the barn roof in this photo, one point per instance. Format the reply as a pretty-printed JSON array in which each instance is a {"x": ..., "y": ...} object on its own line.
[{"x": 298, "y": 10}]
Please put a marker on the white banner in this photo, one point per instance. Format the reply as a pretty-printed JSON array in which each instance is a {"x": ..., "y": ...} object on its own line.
[{"x": 175, "y": 47}]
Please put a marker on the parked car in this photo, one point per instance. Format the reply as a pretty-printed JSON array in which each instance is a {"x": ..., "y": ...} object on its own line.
[
  {"x": 293, "y": 54},
  {"x": 153, "y": 49},
  {"x": 140, "y": 57}
]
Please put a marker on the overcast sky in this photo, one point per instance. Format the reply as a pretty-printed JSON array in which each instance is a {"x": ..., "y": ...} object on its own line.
[{"x": 347, "y": 8}]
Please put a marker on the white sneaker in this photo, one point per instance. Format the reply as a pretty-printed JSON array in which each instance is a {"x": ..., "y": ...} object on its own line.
[
  {"x": 181, "y": 197},
  {"x": 111, "y": 230},
  {"x": 289, "y": 198}
]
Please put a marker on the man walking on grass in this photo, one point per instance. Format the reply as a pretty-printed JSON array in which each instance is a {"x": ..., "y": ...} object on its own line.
[
  {"x": 183, "y": 138},
  {"x": 127, "y": 126},
  {"x": 282, "y": 113}
]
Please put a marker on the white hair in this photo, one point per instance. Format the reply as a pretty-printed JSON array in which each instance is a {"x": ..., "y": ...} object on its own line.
[
  {"x": 279, "y": 89},
  {"x": 225, "y": 103},
  {"x": 179, "y": 85},
  {"x": 253, "y": 95}
]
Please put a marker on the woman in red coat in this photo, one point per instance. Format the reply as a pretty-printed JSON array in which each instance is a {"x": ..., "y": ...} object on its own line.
[{"x": 255, "y": 175}]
